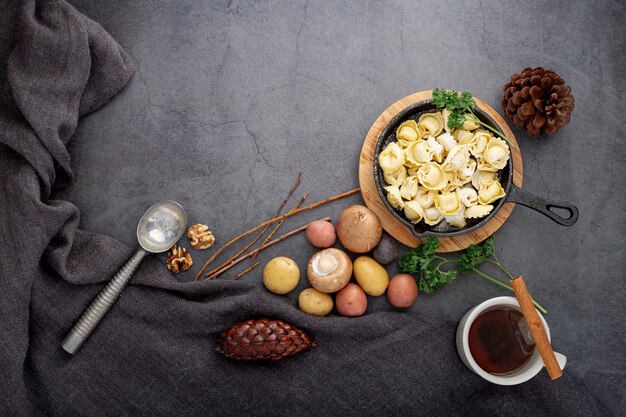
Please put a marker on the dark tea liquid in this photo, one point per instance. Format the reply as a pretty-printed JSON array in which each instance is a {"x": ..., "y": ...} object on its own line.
[{"x": 499, "y": 340}]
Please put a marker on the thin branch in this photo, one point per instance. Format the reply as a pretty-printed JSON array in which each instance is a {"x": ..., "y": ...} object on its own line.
[
  {"x": 220, "y": 250},
  {"x": 235, "y": 256},
  {"x": 280, "y": 223},
  {"x": 245, "y": 271},
  {"x": 276, "y": 219},
  {"x": 259, "y": 249}
]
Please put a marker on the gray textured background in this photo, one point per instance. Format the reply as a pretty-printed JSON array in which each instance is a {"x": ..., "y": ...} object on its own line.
[{"x": 232, "y": 99}]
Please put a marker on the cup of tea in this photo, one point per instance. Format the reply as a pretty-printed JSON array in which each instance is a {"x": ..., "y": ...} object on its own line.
[{"x": 494, "y": 341}]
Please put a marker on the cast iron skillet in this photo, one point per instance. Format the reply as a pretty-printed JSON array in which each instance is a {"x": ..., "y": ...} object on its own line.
[{"x": 513, "y": 193}]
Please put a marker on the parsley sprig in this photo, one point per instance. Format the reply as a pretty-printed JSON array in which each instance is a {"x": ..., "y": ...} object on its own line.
[
  {"x": 424, "y": 261},
  {"x": 426, "y": 264},
  {"x": 461, "y": 107}
]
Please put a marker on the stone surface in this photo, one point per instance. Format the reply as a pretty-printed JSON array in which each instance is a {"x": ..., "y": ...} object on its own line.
[{"x": 233, "y": 99}]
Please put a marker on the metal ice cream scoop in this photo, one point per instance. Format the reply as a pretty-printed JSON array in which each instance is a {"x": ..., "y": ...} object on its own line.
[{"x": 159, "y": 228}]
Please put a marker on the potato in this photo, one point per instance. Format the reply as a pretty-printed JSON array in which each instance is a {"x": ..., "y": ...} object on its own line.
[
  {"x": 351, "y": 301},
  {"x": 314, "y": 302},
  {"x": 281, "y": 275},
  {"x": 370, "y": 275},
  {"x": 321, "y": 234},
  {"x": 359, "y": 229},
  {"x": 387, "y": 250},
  {"x": 402, "y": 291}
]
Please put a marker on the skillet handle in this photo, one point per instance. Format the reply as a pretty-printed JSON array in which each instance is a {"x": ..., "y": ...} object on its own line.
[{"x": 543, "y": 205}]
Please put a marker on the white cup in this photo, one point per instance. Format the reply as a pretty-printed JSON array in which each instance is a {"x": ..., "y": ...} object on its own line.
[{"x": 525, "y": 372}]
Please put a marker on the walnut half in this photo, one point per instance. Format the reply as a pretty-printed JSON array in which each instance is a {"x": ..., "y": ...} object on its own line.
[
  {"x": 200, "y": 236},
  {"x": 178, "y": 259}
]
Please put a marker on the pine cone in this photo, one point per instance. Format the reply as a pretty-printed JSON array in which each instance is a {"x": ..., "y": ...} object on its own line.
[
  {"x": 262, "y": 339},
  {"x": 538, "y": 101}
]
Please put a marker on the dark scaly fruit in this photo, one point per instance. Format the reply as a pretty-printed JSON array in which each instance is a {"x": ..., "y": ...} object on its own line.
[
  {"x": 261, "y": 339},
  {"x": 538, "y": 101}
]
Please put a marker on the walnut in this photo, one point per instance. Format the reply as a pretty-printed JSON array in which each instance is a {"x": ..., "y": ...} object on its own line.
[
  {"x": 200, "y": 236},
  {"x": 178, "y": 258}
]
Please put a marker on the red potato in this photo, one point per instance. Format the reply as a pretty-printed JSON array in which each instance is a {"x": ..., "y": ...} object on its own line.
[
  {"x": 351, "y": 301},
  {"x": 402, "y": 291},
  {"x": 321, "y": 234}
]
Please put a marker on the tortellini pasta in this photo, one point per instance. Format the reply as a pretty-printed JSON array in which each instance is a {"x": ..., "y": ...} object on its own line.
[
  {"x": 437, "y": 174},
  {"x": 436, "y": 148},
  {"x": 490, "y": 191},
  {"x": 418, "y": 153},
  {"x": 426, "y": 198},
  {"x": 409, "y": 187},
  {"x": 395, "y": 177},
  {"x": 432, "y": 176},
  {"x": 408, "y": 132},
  {"x": 445, "y": 113},
  {"x": 496, "y": 153},
  {"x": 447, "y": 141},
  {"x": 432, "y": 216},
  {"x": 457, "y": 158},
  {"x": 391, "y": 158},
  {"x": 468, "y": 196},
  {"x": 413, "y": 211},
  {"x": 448, "y": 203},
  {"x": 482, "y": 176},
  {"x": 462, "y": 136},
  {"x": 478, "y": 142},
  {"x": 469, "y": 124},
  {"x": 457, "y": 220},
  {"x": 431, "y": 123},
  {"x": 478, "y": 211},
  {"x": 393, "y": 197},
  {"x": 466, "y": 173}
]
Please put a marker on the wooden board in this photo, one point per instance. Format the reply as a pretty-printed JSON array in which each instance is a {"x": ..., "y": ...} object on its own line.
[{"x": 392, "y": 225}]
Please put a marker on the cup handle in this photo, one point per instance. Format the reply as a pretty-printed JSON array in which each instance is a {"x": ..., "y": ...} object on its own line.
[{"x": 561, "y": 359}]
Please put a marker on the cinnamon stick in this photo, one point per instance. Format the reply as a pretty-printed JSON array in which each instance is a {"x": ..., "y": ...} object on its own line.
[
  {"x": 276, "y": 219},
  {"x": 259, "y": 249},
  {"x": 223, "y": 248},
  {"x": 536, "y": 327}
]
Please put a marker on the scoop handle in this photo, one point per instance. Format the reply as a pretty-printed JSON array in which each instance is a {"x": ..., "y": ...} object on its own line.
[
  {"x": 100, "y": 305},
  {"x": 536, "y": 328}
]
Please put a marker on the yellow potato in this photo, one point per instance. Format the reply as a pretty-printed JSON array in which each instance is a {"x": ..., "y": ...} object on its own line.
[
  {"x": 370, "y": 275},
  {"x": 281, "y": 275},
  {"x": 314, "y": 302}
]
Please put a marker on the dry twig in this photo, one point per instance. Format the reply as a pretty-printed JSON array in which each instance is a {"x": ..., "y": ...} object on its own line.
[
  {"x": 259, "y": 249},
  {"x": 245, "y": 271},
  {"x": 280, "y": 223},
  {"x": 220, "y": 250}
]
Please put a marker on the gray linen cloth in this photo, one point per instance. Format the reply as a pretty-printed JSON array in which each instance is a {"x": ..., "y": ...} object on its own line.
[{"x": 153, "y": 354}]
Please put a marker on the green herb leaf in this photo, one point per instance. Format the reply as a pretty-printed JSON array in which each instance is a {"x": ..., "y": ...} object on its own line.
[
  {"x": 460, "y": 106},
  {"x": 466, "y": 101},
  {"x": 434, "y": 278},
  {"x": 418, "y": 258},
  {"x": 456, "y": 120},
  {"x": 426, "y": 265},
  {"x": 476, "y": 255},
  {"x": 422, "y": 260},
  {"x": 457, "y": 104},
  {"x": 439, "y": 99}
]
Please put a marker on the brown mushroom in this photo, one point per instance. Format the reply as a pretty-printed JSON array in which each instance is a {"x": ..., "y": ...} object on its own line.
[
  {"x": 329, "y": 270},
  {"x": 359, "y": 229}
]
